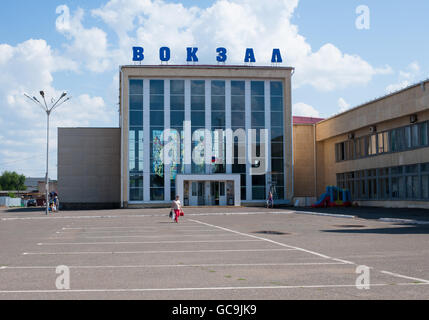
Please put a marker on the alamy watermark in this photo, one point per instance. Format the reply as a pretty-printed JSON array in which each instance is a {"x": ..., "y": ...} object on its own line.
[
  {"x": 363, "y": 20},
  {"x": 62, "y": 281},
  {"x": 363, "y": 280},
  {"x": 205, "y": 147}
]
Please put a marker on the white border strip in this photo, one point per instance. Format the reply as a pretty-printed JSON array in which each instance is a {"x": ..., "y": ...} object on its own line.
[
  {"x": 178, "y": 265},
  {"x": 205, "y": 289},
  {"x": 151, "y": 251},
  {"x": 145, "y": 242}
]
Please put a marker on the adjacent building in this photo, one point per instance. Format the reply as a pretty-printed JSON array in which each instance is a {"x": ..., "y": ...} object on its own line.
[{"x": 378, "y": 150}]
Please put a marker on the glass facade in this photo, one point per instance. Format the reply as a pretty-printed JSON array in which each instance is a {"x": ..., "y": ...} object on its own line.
[
  {"x": 409, "y": 182},
  {"x": 395, "y": 140},
  {"x": 257, "y": 107},
  {"x": 238, "y": 123},
  {"x": 212, "y": 106},
  {"x": 277, "y": 133},
  {"x": 135, "y": 140}
]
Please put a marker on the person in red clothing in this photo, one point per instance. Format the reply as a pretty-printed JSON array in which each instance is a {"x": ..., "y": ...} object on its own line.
[{"x": 177, "y": 207}]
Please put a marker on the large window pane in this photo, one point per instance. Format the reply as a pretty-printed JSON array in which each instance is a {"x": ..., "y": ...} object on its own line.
[
  {"x": 238, "y": 103},
  {"x": 257, "y": 88},
  {"x": 198, "y": 87},
  {"x": 177, "y": 87},
  {"x": 136, "y": 102},
  {"x": 276, "y": 88},
  {"x": 136, "y": 86},
  {"x": 136, "y": 118},
  {"x": 156, "y": 87},
  {"x": 198, "y": 103},
  {"x": 177, "y": 103},
  {"x": 218, "y": 88},
  {"x": 237, "y": 88}
]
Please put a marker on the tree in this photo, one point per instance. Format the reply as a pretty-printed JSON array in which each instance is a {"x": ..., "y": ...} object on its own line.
[{"x": 11, "y": 181}]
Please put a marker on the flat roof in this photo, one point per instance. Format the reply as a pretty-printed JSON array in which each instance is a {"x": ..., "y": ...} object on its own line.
[
  {"x": 206, "y": 66},
  {"x": 377, "y": 99},
  {"x": 306, "y": 120}
]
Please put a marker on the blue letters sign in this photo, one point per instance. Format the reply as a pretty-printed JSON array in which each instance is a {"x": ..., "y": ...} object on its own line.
[{"x": 191, "y": 55}]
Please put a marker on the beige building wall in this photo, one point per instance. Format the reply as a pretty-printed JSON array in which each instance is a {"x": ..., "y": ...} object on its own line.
[
  {"x": 304, "y": 160},
  {"x": 205, "y": 72},
  {"x": 390, "y": 112},
  {"x": 89, "y": 167}
]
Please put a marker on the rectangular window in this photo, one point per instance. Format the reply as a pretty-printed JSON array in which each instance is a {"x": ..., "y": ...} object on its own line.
[
  {"x": 425, "y": 187},
  {"x": 135, "y": 140}
]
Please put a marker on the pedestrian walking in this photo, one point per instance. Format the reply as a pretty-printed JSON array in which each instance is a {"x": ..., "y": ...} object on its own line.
[
  {"x": 57, "y": 203},
  {"x": 176, "y": 207},
  {"x": 270, "y": 200}
]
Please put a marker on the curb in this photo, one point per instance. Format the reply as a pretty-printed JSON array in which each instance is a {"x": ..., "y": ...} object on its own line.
[
  {"x": 326, "y": 214},
  {"x": 409, "y": 221}
]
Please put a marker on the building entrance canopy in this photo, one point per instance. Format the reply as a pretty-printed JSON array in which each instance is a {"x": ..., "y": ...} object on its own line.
[{"x": 208, "y": 190}]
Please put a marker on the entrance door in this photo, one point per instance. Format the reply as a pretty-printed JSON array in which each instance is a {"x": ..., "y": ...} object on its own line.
[
  {"x": 201, "y": 193},
  {"x": 217, "y": 193}
]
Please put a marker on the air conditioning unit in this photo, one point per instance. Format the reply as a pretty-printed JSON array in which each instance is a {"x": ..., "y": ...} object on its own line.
[
  {"x": 413, "y": 118},
  {"x": 351, "y": 136},
  {"x": 373, "y": 129}
]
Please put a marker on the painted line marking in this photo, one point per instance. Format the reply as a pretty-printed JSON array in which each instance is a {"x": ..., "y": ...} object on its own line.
[
  {"x": 405, "y": 277},
  {"x": 158, "y": 251},
  {"x": 144, "y": 242},
  {"x": 205, "y": 289},
  {"x": 140, "y": 227},
  {"x": 159, "y": 236},
  {"x": 268, "y": 240},
  {"x": 301, "y": 249},
  {"x": 181, "y": 265},
  {"x": 136, "y": 231},
  {"x": 147, "y": 215}
]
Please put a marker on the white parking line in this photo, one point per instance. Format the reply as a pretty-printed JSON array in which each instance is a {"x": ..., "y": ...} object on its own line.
[
  {"x": 145, "y": 242},
  {"x": 268, "y": 240},
  {"x": 146, "y": 215},
  {"x": 151, "y": 251},
  {"x": 405, "y": 277},
  {"x": 173, "y": 227},
  {"x": 180, "y": 265},
  {"x": 158, "y": 236},
  {"x": 304, "y": 250},
  {"x": 204, "y": 289},
  {"x": 137, "y": 231}
]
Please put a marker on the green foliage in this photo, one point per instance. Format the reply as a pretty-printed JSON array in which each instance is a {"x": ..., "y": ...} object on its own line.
[
  {"x": 11, "y": 181},
  {"x": 11, "y": 195}
]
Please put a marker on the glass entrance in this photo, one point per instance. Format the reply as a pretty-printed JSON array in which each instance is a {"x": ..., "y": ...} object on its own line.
[{"x": 209, "y": 193}]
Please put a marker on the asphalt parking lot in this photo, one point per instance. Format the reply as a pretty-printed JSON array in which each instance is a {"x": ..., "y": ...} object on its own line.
[{"x": 213, "y": 253}]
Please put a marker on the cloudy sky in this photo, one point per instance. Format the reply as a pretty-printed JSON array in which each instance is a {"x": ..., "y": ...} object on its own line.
[{"x": 77, "y": 46}]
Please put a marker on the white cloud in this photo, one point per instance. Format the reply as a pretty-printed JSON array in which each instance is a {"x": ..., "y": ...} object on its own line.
[
  {"x": 236, "y": 25},
  {"x": 343, "y": 105},
  {"x": 28, "y": 67},
  {"x": 304, "y": 110},
  {"x": 87, "y": 45},
  {"x": 406, "y": 78}
]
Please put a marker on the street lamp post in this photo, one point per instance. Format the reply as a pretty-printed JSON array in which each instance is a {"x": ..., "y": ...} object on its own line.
[{"x": 48, "y": 110}]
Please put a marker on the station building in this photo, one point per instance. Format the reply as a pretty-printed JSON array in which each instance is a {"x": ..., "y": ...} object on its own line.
[
  {"x": 214, "y": 135},
  {"x": 224, "y": 135}
]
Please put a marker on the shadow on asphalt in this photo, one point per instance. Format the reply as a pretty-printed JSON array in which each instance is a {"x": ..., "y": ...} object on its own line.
[
  {"x": 374, "y": 212},
  {"x": 32, "y": 209},
  {"x": 407, "y": 229}
]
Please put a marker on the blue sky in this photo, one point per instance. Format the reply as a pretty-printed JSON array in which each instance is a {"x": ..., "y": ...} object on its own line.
[{"x": 337, "y": 65}]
